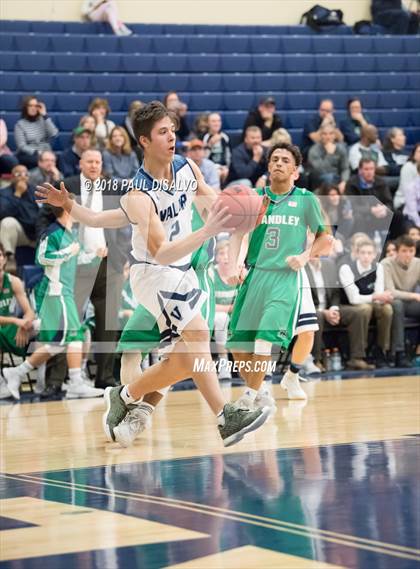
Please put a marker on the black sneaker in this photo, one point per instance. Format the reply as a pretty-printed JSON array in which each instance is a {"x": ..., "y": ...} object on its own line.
[
  {"x": 401, "y": 360},
  {"x": 380, "y": 359},
  {"x": 51, "y": 392}
]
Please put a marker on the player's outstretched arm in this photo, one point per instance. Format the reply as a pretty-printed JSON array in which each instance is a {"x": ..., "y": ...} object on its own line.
[
  {"x": 143, "y": 214},
  {"x": 111, "y": 219},
  {"x": 238, "y": 249}
]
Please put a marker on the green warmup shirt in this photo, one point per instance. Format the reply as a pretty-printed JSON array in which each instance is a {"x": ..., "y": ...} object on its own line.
[
  {"x": 268, "y": 302},
  {"x": 7, "y": 307},
  {"x": 55, "y": 293},
  {"x": 223, "y": 293}
]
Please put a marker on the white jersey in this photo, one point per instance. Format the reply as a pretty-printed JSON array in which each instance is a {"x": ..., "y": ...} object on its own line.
[{"x": 173, "y": 205}]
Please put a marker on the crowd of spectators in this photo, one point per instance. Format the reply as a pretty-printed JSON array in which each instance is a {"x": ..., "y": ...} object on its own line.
[{"x": 342, "y": 161}]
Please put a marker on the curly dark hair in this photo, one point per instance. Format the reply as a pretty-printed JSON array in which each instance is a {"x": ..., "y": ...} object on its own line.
[{"x": 294, "y": 151}]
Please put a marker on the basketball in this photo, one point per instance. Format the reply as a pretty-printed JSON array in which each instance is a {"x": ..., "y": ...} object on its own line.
[{"x": 245, "y": 206}]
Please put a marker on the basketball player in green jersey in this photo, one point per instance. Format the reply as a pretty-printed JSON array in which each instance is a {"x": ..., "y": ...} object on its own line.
[
  {"x": 14, "y": 332},
  {"x": 141, "y": 335},
  {"x": 266, "y": 310}
]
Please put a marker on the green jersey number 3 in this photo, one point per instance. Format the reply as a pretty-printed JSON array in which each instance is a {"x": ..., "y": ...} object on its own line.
[{"x": 272, "y": 238}]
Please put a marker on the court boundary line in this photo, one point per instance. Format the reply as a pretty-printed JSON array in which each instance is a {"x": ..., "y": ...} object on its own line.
[{"x": 393, "y": 550}]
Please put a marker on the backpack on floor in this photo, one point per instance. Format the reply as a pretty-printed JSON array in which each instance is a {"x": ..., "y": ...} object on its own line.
[{"x": 322, "y": 19}]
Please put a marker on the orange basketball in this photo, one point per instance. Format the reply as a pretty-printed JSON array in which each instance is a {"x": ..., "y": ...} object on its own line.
[{"x": 245, "y": 206}]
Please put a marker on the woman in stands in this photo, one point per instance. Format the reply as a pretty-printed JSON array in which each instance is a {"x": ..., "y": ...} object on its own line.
[
  {"x": 99, "y": 109},
  {"x": 174, "y": 103},
  {"x": 89, "y": 123},
  {"x": 33, "y": 132},
  {"x": 105, "y": 11},
  {"x": 119, "y": 159}
]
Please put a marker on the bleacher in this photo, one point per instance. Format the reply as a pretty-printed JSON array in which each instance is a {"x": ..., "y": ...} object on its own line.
[{"x": 214, "y": 68}]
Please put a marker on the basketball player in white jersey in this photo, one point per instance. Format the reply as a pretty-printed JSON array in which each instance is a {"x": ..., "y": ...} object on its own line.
[{"x": 159, "y": 210}]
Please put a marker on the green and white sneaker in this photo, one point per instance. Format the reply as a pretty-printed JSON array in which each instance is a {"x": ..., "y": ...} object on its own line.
[
  {"x": 239, "y": 422},
  {"x": 115, "y": 411}
]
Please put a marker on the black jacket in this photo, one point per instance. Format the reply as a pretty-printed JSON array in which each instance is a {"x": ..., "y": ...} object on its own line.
[
  {"x": 117, "y": 240},
  {"x": 379, "y": 6},
  {"x": 243, "y": 166},
  {"x": 255, "y": 119}
]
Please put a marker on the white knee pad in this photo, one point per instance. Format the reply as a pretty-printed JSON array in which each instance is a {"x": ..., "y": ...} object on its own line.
[{"x": 262, "y": 348}]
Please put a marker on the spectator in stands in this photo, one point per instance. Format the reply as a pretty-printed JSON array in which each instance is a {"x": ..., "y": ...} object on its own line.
[
  {"x": 395, "y": 17},
  {"x": 249, "y": 161},
  {"x": 325, "y": 116},
  {"x": 280, "y": 135},
  {"x": 201, "y": 125},
  {"x": 173, "y": 103},
  {"x": 408, "y": 175},
  {"x": 47, "y": 170},
  {"x": 363, "y": 283},
  {"x": 128, "y": 125},
  {"x": 327, "y": 160},
  {"x": 338, "y": 209},
  {"x": 368, "y": 148},
  {"x": 105, "y": 11},
  {"x": 355, "y": 120},
  {"x": 350, "y": 255},
  {"x": 18, "y": 214},
  {"x": 196, "y": 151},
  {"x": 7, "y": 160},
  {"x": 218, "y": 145},
  {"x": 33, "y": 132},
  {"x": 390, "y": 249},
  {"x": 69, "y": 160},
  {"x": 100, "y": 109},
  {"x": 414, "y": 234},
  {"x": 120, "y": 161},
  {"x": 265, "y": 117},
  {"x": 402, "y": 278},
  {"x": 323, "y": 278},
  {"x": 394, "y": 151},
  {"x": 412, "y": 200},
  {"x": 89, "y": 123},
  {"x": 368, "y": 216}
]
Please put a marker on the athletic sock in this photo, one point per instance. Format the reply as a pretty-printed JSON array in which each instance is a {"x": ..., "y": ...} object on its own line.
[
  {"x": 126, "y": 397},
  {"x": 220, "y": 418},
  {"x": 250, "y": 394},
  {"x": 75, "y": 375},
  {"x": 24, "y": 368},
  {"x": 295, "y": 368}
]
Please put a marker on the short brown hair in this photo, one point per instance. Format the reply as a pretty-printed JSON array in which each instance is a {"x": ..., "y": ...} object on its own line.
[
  {"x": 57, "y": 211},
  {"x": 405, "y": 241},
  {"x": 294, "y": 151},
  {"x": 144, "y": 119},
  {"x": 364, "y": 243}
]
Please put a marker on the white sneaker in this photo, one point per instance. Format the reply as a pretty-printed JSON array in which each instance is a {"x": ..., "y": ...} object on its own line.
[
  {"x": 265, "y": 399},
  {"x": 290, "y": 383},
  {"x": 86, "y": 379},
  {"x": 309, "y": 367},
  {"x": 4, "y": 390},
  {"x": 134, "y": 423},
  {"x": 76, "y": 390},
  {"x": 13, "y": 381},
  {"x": 224, "y": 371}
]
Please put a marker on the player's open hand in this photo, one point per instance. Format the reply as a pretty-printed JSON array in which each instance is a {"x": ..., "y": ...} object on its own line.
[
  {"x": 218, "y": 221},
  {"x": 50, "y": 195}
]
